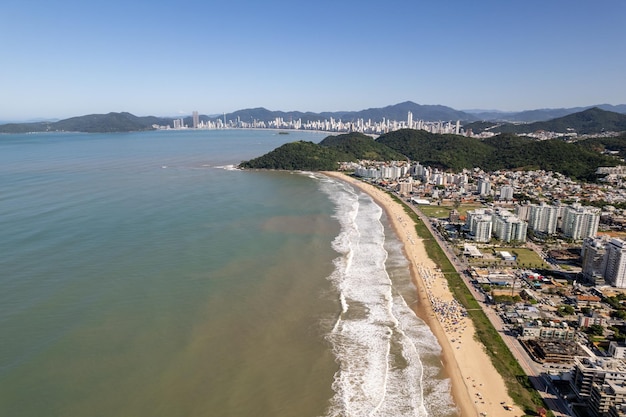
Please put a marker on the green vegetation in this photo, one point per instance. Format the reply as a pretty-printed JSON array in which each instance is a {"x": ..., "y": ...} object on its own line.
[
  {"x": 448, "y": 152},
  {"x": 505, "y": 151},
  {"x": 565, "y": 310},
  {"x": 618, "y": 314},
  {"x": 588, "y": 121},
  {"x": 442, "y": 212},
  {"x": 299, "y": 156},
  {"x": 361, "y": 146},
  {"x": 93, "y": 123},
  {"x": 595, "y": 330},
  {"x": 439, "y": 212},
  {"x": 615, "y": 301},
  {"x": 518, "y": 385},
  {"x": 571, "y": 159},
  {"x": 324, "y": 156},
  {"x": 526, "y": 257},
  {"x": 606, "y": 144},
  {"x": 507, "y": 299}
]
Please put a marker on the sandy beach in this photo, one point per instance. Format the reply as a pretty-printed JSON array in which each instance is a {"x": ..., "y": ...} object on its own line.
[{"x": 477, "y": 388}]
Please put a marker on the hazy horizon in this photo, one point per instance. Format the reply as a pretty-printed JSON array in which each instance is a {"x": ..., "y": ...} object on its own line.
[{"x": 173, "y": 116}]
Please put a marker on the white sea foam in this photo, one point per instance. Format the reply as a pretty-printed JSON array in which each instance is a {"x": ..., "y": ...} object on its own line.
[
  {"x": 227, "y": 167},
  {"x": 379, "y": 343}
]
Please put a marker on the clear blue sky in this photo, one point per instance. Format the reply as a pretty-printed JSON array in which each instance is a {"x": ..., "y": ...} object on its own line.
[{"x": 68, "y": 58}]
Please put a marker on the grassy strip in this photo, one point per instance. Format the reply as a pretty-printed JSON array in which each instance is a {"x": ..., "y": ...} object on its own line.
[{"x": 518, "y": 385}]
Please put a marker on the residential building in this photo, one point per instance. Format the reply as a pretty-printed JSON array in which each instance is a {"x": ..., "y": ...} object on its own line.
[
  {"x": 605, "y": 395},
  {"x": 479, "y": 224},
  {"x": 593, "y": 256},
  {"x": 506, "y": 193},
  {"x": 617, "y": 410},
  {"x": 580, "y": 222},
  {"x": 539, "y": 331},
  {"x": 615, "y": 273},
  {"x": 589, "y": 371},
  {"x": 617, "y": 350},
  {"x": 522, "y": 211},
  {"x": 594, "y": 320},
  {"x": 483, "y": 187},
  {"x": 507, "y": 227},
  {"x": 405, "y": 187},
  {"x": 543, "y": 218}
]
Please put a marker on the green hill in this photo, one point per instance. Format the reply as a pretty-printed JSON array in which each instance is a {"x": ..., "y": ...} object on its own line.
[
  {"x": 299, "y": 156},
  {"x": 606, "y": 145},
  {"x": 590, "y": 121},
  {"x": 505, "y": 151},
  {"x": 571, "y": 159},
  {"x": 326, "y": 155},
  {"x": 361, "y": 146},
  {"x": 92, "y": 123},
  {"x": 447, "y": 152}
]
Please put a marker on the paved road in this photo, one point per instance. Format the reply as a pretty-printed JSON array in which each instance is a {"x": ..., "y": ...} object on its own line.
[{"x": 556, "y": 404}]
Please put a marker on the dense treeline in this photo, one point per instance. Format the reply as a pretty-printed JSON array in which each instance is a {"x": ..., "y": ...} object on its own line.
[
  {"x": 361, "y": 146},
  {"x": 326, "y": 155},
  {"x": 608, "y": 144},
  {"x": 571, "y": 159},
  {"x": 448, "y": 152},
  {"x": 300, "y": 156},
  {"x": 505, "y": 151}
]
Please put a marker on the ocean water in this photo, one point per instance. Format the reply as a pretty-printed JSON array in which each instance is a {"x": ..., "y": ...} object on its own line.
[{"x": 141, "y": 275}]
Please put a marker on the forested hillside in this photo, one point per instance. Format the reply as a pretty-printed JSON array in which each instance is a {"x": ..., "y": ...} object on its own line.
[{"x": 578, "y": 160}]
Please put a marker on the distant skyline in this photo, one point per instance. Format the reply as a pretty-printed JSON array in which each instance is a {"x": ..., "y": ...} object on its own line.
[{"x": 68, "y": 58}]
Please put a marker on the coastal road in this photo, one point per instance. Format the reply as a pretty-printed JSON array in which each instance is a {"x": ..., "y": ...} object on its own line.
[{"x": 545, "y": 388}]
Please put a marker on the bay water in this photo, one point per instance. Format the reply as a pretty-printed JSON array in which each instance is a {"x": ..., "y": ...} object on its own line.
[{"x": 141, "y": 275}]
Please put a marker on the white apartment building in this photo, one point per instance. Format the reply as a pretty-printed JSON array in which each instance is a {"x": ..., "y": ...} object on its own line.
[
  {"x": 479, "y": 223},
  {"x": 616, "y": 351},
  {"x": 580, "y": 222},
  {"x": 506, "y": 193},
  {"x": 615, "y": 272},
  {"x": 367, "y": 172},
  {"x": 543, "y": 218},
  {"x": 604, "y": 260},
  {"x": 483, "y": 187},
  {"x": 482, "y": 231},
  {"x": 405, "y": 187},
  {"x": 508, "y": 227},
  {"x": 522, "y": 211},
  {"x": 593, "y": 256},
  {"x": 392, "y": 172}
]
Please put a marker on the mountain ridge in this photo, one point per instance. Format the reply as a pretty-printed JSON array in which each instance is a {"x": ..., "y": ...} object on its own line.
[
  {"x": 126, "y": 122},
  {"x": 589, "y": 121}
]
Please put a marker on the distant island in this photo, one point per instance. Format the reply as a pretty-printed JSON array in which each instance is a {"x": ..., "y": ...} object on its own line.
[{"x": 394, "y": 117}]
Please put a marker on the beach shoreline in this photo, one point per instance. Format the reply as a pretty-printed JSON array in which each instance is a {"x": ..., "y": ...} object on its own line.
[{"x": 477, "y": 388}]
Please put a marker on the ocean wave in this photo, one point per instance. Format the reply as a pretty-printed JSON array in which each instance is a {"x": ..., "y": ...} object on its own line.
[
  {"x": 381, "y": 346},
  {"x": 227, "y": 167}
]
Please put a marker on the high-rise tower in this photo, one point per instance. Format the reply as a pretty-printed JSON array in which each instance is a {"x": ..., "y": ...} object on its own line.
[{"x": 196, "y": 119}]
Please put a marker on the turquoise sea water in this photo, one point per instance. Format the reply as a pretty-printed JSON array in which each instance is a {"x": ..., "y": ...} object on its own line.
[{"x": 140, "y": 275}]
